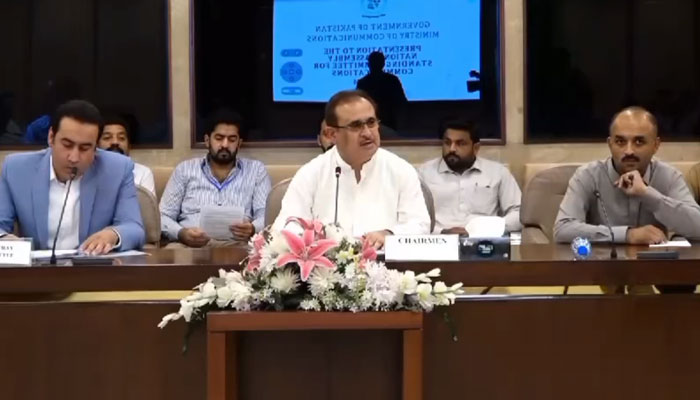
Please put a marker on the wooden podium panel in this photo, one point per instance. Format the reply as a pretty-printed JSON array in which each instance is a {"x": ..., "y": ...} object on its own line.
[{"x": 222, "y": 343}]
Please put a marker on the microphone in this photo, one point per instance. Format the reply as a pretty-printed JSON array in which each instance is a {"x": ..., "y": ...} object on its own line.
[
  {"x": 613, "y": 250},
  {"x": 73, "y": 173},
  {"x": 337, "y": 186}
]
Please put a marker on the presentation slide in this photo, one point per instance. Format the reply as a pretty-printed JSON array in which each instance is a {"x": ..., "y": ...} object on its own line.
[{"x": 321, "y": 46}]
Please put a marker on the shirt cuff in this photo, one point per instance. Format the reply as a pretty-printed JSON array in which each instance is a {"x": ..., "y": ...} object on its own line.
[
  {"x": 119, "y": 240},
  {"x": 620, "y": 233}
]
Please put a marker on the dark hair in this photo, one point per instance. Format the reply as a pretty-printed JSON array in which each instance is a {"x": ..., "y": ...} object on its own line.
[
  {"x": 80, "y": 110},
  {"x": 343, "y": 97},
  {"x": 376, "y": 60},
  {"x": 223, "y": 116},
  {"x": 460, "y": 124},
  {"x": 116, "y": 119}
]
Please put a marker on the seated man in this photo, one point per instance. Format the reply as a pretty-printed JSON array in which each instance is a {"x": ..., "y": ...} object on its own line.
[
  {"x": 379, "y": 193},
  {"x": 101, "y": 210},
  {"x": 465, "y": 186},
  {"x": 325, "y": 137},
  {"x": 115, "y": 137},
  {"x": 221, "y": 178},
  {"x": 645, "y": 199}
]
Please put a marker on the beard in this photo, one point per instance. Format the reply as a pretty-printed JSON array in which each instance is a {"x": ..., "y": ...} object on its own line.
[
  {"x": 223, "y": 156},
  {"x": 456, "y": 163},
  {"x": 115, "y": 148}
]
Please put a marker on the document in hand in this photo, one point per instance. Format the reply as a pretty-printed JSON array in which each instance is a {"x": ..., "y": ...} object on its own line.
[{"x": 216, "y": 220}]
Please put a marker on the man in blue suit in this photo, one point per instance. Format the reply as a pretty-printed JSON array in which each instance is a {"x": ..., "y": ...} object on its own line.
[{"x": 101, "y": 212}]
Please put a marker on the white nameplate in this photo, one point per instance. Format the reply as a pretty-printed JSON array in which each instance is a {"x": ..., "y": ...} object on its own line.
[
  {"x": 15, "y": 252},
  {"x": 422, "y": 248}
]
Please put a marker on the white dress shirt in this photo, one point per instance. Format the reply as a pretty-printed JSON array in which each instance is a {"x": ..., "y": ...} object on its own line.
[
  {"x": 143, "y": 176},
  {"x": 388, "y": 195},
  {"x": 69, "y": 236},
  {"x": 485, "y": 189}
]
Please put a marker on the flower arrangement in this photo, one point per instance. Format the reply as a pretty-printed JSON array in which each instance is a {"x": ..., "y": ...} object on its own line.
[{"x": 323, "y": 269}]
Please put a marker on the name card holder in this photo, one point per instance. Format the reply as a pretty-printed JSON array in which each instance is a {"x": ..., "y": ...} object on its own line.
[
  {"x": 422, "y": 248},
  {"x": 16, "y": 252}
]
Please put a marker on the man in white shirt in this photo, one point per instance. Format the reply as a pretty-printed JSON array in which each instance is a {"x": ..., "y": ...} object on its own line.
[
  {"x": 378, "y": 192},
  {"x": 465, "y": 186},
  {"x": 115, "y": 137}
]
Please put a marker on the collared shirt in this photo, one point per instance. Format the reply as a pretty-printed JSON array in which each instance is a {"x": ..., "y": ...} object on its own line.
[
  {"x": 193, "y": 186},
  {"x": 387, "y": 197},
  {"x": 143, "y": 176},
  {"x": 69, "y": 235},
  {"x": 667, "y": 204},
  {"x": 487, "y": 188}
]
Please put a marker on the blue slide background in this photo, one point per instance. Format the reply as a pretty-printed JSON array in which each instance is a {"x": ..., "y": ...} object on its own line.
[{"x": 316, "y": 53}]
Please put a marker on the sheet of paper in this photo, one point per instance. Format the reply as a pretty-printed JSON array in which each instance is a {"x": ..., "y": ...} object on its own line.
[
  {"x": 127, "y": 253},
  {"x": 486, "y": 226},
  {"x": 215, "y": 220},
  {"x": 46, "y": 254},
  {"x": 673, "y": 243}
]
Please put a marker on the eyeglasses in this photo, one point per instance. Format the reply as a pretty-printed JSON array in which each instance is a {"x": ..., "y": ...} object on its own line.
[{"x": 358, "y": 126}]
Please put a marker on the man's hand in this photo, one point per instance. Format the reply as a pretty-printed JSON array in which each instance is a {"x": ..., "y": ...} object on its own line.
[
  {"x": 455, "y": 231},
  {"x": 192, "y": 237},
  {"x": 647, "y": 234},
  {"x": 242, "y": 231},
  {"x": 632, "y": 183},
  {"x": 376, "y": 239},
  {"x": 101, "y": 242}
]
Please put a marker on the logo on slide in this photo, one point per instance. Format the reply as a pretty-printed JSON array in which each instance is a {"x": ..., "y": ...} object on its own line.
[
  {"x": 373, "y": 8},
  {"x": 291, "y": 72}
]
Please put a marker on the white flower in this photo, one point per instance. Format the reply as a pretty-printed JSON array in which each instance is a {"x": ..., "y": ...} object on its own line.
[
  {"x": 224, "y": 295},
  {"x": 168, "y": 318},
  {"x": 186, "y": 309},
  {"x": 408, "y": 282},
  {"x": 322, "y": 279},
  {"x": 284, "y": 281},
  {"x": 209, "y": 290},
  {"x": 345, "y": 255},
  {"x": 440, "y": 287},
  {"x": 278, "y": 244},
  {"x": 310, "y": 305},
  {"x": 334, "y": 232},
  {"x": 425, "y": 296}
]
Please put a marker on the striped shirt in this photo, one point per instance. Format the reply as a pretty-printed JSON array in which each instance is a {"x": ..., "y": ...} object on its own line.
[{"x": 192, "y": 186}]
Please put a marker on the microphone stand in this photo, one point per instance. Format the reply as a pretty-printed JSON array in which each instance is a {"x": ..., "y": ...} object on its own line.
[{"x": 337, "y": 187}]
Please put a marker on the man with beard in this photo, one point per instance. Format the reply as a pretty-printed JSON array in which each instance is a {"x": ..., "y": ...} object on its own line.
[
  {"x": 465, "y": 186},
  {"x": 221, "y": 178},
  {"x": 115, "y": 137},
  {"x": 378, "y": 193},
  {"x": 645, "y": 199}
]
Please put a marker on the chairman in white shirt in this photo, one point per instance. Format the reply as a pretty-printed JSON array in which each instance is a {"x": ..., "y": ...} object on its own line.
[
  {"x": 465, "y": 186},
  {"x": 378, "y": 192},
  {"x": 115, "y": 136}
]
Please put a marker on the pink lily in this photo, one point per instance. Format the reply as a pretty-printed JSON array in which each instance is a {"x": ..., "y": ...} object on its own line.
[
  {"x": 306, "y": 252},
  {"x": 256, "y": 256},
  {"x": 309, "y": 224},
  {"x": 369, "y": 253}
]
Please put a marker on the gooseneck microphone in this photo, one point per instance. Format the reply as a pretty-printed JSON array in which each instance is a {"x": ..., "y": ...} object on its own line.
[
  {"x": 73, "y": 173},
  {"x": 613, "y": 250},
  {"x": 337, "y": 186}
]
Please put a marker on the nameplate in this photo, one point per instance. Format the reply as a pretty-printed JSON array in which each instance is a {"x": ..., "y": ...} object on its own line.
[
  {"x": 422, "y": 248},
  {"x": 15, "y": 252}
]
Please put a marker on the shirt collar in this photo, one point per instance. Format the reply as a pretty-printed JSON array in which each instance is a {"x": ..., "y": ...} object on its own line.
[
  {"x": 444, "y": 169},
  {"x": 345, "y": 166},
  {"x": 207, "y": 164}
]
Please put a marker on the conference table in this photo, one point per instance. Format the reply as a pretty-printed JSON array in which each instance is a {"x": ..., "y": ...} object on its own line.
[{"x": 506, "y": 347}]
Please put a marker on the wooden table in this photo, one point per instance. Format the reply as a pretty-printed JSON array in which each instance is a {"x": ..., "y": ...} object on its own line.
[{"x": 525, "y": 347}]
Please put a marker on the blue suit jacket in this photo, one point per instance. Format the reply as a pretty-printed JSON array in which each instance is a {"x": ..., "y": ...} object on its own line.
[{"x": 107, "y": 198}]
